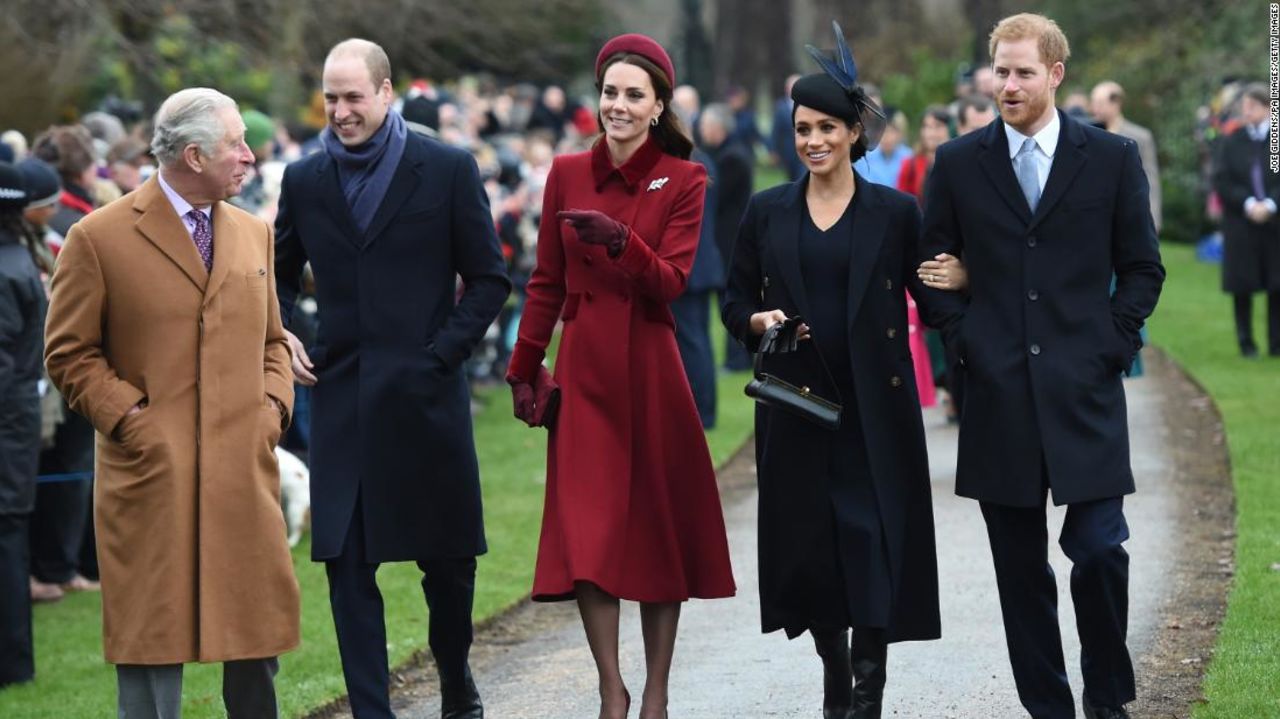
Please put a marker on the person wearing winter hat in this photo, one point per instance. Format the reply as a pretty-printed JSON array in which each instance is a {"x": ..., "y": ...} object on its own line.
[
  {"x": 632, "y": 511},
  {"x": 846, "y": 525},
  {"x": 259, "y": 135},
  {"x": 44, "y": 187},
  {"x": 22, "y": 311}
]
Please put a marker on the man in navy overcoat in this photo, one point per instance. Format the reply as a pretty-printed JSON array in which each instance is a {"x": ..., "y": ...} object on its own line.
[
  {"x": 1044, "y": 211},
  {"x": 389, "y": 221}
]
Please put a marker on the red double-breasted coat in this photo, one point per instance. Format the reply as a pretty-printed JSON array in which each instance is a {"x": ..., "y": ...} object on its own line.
[{"x": 631, "y": 501}]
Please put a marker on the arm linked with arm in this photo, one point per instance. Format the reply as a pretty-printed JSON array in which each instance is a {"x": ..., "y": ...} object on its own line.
[{"x": 939, "y": 233}]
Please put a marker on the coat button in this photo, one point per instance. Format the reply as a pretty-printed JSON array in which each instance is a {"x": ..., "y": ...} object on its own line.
[
  {"x": 588, "y": 295},
  {"x": 586, "y": 259},
  {"x": 1035, "y": 349},
  {"x": 766, "y": 280},
  {"x": 895, "y": 381},
  {"x": 892, "y": 333},
  {"x": 1031, "y": 241},
  {"x": 888, "y": 284},
  {"x": 1033, "y": 295}
]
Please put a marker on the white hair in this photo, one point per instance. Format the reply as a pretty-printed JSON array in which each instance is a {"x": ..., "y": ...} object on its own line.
[{"x": 186, "y": 117}]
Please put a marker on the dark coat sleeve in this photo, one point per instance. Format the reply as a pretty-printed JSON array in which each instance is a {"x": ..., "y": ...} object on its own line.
[
  {"x": 477, "y": 258},
  {"x": 291, "y": 256},
  {"x": 11, "y": 321},
  {"x": 1135, "y": 254},
  {"x": 742, "y": 296},
  {"x": 940, "y": 233}
]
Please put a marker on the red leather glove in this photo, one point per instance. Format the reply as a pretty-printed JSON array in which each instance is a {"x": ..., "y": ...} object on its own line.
[
  {"x": 596, "y": 228},
  {"x": 546, "y": 399},
  {"x": 522, "y": 398},
  {"x": 535, "y": 403}
]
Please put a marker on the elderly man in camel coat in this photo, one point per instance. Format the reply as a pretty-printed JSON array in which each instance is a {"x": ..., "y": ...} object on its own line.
[{"x": 163, "y": 330}]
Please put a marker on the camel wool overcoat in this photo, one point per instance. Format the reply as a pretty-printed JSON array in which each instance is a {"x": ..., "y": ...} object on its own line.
[{"x": 191, "y": 540}]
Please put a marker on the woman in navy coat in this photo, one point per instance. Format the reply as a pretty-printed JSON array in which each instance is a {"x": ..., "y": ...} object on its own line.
[
  {"x": 632, "y": 510},
  {"x": 846, "y": 525}
]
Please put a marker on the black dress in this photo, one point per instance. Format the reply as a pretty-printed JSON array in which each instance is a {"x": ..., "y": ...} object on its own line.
[{"x": 860, "y": 586}]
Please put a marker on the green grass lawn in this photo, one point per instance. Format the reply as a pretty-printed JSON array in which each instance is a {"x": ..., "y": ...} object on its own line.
[{"x": 1193, "y": 323}]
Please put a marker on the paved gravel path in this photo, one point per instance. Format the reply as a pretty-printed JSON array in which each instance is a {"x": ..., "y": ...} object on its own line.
[{"x": 535, "y": 664}]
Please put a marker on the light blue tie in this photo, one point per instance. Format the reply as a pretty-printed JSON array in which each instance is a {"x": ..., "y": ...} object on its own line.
[{"x": 1024, "y": 166}]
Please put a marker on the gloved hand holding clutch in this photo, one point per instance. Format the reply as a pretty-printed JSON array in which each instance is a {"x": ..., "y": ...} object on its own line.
[{"x": 536, "y": 403}]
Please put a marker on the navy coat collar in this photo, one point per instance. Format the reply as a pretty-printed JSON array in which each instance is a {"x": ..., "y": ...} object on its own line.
[
  {"x": 407, "y": 177},
  {"x": 1068, "y": 159},
  {"x": 867, "y": 236}
]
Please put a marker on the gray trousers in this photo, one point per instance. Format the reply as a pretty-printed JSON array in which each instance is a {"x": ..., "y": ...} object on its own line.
[{"x": 154, "y": 691}]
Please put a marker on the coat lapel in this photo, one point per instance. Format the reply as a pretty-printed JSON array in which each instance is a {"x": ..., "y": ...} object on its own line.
[
  {"x": 226, "y": 241},
  {"x": 331, "y": 188},
  {"x": 866, "y": 237},
  {"x": 160, "y": 224},
  {"x": 785, "y": 242},
  {"x": 995, "y": 162},
  {"x": 1068, "y": 158},
  {"x": 403, "y": 184}
]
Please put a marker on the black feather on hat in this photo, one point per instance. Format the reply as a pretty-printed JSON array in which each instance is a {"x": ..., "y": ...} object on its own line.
[{"x": 836, "y": 92}]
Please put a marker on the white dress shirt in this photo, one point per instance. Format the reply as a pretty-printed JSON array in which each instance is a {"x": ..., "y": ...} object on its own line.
[
  {"x": 182, "y": 207},
  {"x": 1046, "y": 145}
]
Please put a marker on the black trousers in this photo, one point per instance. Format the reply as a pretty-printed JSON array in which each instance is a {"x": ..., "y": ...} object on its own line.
[
  {"x": 449, "y": 588},
  {"x": 58, "y": 528},
  {"x": 1091, "y": 537},
  {"x": 17, "y": 654},
  {"x": 1244, "y": 321},
  {"x": 692, "y": 312}
]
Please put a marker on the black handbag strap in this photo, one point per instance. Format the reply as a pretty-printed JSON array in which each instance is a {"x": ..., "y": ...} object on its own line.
[{"x": 766, "y": 341}]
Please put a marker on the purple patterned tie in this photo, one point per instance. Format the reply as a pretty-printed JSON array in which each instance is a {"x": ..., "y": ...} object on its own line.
[{"x": 203, "y": 236}]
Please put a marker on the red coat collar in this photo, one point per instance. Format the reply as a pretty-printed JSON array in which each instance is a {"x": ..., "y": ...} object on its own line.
[{"x": 631, "y": 172}]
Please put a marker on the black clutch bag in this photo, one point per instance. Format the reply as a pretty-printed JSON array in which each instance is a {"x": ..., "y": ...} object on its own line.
[{"x": 780, "y": 394}]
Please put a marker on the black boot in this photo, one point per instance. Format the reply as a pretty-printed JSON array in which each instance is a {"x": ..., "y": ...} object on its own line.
[
  {"x": 837, "y": 672},
  {"x": 459, "y": 698},
  {"x": 869, "y": 655}
]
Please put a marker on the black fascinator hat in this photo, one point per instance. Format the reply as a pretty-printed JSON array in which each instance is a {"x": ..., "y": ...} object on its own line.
[{"x": 836, "y": 92}]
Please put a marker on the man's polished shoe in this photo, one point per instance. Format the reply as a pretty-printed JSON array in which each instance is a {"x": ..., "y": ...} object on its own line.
[
  {"x": 459, "y": 698},
  {"x": 1097, "y": 712}
]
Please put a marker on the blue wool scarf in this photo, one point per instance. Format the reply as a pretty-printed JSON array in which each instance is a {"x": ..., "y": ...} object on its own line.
[{"x": 365, "y": 171}]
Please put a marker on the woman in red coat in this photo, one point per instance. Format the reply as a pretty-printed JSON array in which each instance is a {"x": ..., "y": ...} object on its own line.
[{"x": 632, "y": 510}]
